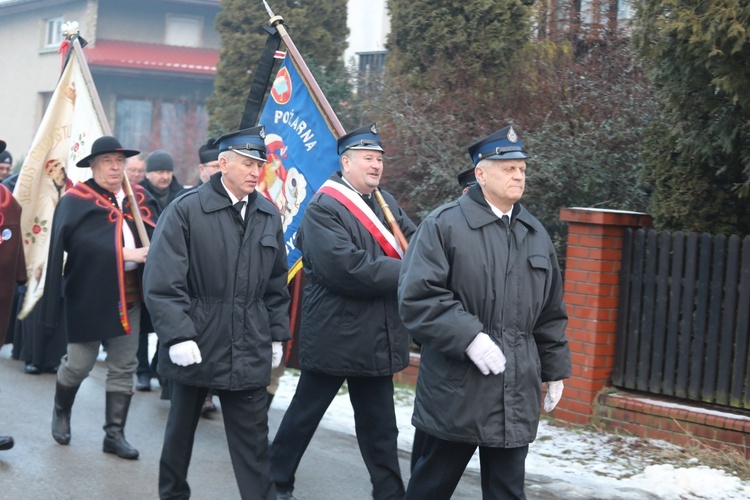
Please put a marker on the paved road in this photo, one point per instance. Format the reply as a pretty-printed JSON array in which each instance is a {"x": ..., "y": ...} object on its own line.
[{"x": 37, "y": 467}]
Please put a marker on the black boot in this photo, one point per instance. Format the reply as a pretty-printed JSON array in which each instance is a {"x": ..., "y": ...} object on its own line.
[
  {"x": 64, "y": 397},
  {"x": 6, "y": 442},
  {"x": 117, "y": 407}
]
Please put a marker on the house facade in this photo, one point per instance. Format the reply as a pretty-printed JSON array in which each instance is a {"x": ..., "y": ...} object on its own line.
[
  {"x": 369, "y": 24},
  {"x": 153, "y": 63}
]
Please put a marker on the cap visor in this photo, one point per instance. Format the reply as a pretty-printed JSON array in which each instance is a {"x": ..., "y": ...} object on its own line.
[
  {"x": 249, "y": 153},
  {"x": 371, "y": 148},
  {"x": 512, "y": 155}
]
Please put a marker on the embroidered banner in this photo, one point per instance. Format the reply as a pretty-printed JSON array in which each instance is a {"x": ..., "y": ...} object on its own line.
[
  {"x": 301, "y": 153},
  {"x": 69, "y": 126}
]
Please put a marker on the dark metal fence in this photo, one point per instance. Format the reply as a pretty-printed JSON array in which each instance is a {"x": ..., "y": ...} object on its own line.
[{"x": 683, "y": 317}]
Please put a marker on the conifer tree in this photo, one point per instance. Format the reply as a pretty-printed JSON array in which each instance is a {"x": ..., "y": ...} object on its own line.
[
  {"x": 317, "y": 27},
  {"x": 699, "y": 154}
]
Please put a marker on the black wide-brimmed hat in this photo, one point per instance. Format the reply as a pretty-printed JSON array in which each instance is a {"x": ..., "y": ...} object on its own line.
[{"x": 103, "y": 145}]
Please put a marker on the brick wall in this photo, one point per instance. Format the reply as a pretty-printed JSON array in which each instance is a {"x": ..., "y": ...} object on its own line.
[
  {"x": 591, "y": 294},
  {"x": 677, "y": 423},
  {"x": 409, "y": 374}
]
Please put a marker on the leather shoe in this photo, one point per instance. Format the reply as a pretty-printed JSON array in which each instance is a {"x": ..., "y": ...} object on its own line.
[
  {"x": 143, "y": 383},
  {"x": 32, "y": 369},
  {"x": 284, "y": 495},
  {"x": 208, "y": 406},
  {"x": 6, "y": 442}
]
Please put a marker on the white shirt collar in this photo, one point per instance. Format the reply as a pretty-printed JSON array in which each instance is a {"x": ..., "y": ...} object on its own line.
[
  {"x": 353, "y": 188},
  {"x": 231, "y": 196},
  {"x": 499, "y": 212}
]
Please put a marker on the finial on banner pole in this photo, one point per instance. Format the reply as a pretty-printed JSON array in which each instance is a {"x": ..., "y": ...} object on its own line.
[
  {"x": 275, "y": 20},
  {"x": 268, "y": 9},
  {"x": 69, "y": 29}
]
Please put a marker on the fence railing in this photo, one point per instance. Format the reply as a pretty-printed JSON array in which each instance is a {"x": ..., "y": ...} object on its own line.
[{"x": 684, "y": 317}]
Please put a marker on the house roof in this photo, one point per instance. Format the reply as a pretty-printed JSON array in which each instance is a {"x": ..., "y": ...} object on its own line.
[{"x": 150, "y": 56}]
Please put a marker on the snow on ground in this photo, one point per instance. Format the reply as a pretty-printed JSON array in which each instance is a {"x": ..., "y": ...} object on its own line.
[{"x": 580, "y": 462}]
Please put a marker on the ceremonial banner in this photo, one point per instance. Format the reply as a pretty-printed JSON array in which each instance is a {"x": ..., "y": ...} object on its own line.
[
  {"x": 301, "y": 152},
  {"x": 69, "y": 126}
]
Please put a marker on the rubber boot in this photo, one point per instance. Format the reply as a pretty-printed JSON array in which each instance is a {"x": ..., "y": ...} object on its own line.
[
  {"x": 64, "y": 397},
  {"x": 116, "y": 411}
]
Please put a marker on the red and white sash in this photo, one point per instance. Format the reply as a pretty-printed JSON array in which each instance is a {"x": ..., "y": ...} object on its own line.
[{"x": 357, "y": 206}]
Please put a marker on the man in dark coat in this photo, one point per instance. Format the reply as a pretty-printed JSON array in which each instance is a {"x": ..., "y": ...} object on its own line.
[
  {"x": 481, "y": 290},
  {"x": 94, "y": 224},
  {"x": 161, "y": 183},
  {"x": 350, "y": 328},
  {"x": 160, "y": 180},
  {"x": 208, "y": 165},
  {"x": 215, "y": 285}
]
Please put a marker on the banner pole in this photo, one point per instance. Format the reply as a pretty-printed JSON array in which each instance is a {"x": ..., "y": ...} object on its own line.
[{"x": 330, "y": 116}]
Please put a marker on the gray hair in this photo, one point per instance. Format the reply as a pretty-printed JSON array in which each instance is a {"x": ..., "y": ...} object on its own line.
[{"x": 349, "y": 153}]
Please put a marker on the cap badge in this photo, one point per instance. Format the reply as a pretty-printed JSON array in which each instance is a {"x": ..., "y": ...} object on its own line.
[
  {"x": 373, "y": 129},
  {"x": 512, "y": 137},
  {"x": 262, "y": 133}
]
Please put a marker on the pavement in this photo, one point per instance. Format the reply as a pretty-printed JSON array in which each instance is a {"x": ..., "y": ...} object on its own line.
[{"x": 37, "y": 467}]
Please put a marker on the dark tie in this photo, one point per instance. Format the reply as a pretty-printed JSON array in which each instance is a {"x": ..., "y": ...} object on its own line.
[
  {"x": 370, "y": 201},
  {"x": 238, "y": 206},
  {"x": 506, "y": 220}
]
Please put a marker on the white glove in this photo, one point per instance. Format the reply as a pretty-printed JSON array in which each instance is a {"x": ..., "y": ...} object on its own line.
[
  {"x": 185, "y": 353},
  {"x": 277, "y": 350},
  {"x": 554, "y": 393},
  {"x": 486, "y": 354}
]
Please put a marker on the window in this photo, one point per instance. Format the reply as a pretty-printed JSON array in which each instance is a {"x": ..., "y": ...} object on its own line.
[
  {"x": 52, "y": 35},
  {"x": 179, "y": 127},
  {"x": 372, "y": 62},
  {"x": 371, "y": 68},
  {"x": 133, "y": 123},
  {"x": 186, "y": 31}
]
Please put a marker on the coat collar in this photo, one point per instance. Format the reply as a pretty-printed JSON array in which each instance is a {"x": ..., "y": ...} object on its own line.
[
  {"x": 214, "y": 197},
  {"x": 478, "y": 212}
]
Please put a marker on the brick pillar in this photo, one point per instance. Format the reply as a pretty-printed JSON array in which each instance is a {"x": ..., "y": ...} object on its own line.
[{"x": 592, "y": 290}]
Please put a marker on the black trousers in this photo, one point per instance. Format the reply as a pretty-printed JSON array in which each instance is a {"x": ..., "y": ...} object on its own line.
[
  {"x": 146, "y": 366},
  {"x": 375, "y": 424},
  {"x": 246, "y": 427},
  {"x": 442, "y": 463}
]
